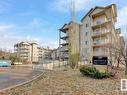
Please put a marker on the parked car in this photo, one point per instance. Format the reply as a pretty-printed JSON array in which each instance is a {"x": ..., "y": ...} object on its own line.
[{"x": 5, "y": 63}]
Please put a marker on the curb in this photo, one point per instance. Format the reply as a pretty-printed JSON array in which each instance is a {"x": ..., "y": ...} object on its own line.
[{"x": 23, "y": 83}]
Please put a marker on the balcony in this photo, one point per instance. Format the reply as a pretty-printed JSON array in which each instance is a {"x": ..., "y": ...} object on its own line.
[
  {"x": 99, "y": 53},
  {"x": 24, "y": 48},
  {"x": 100, "y": 33},
  {"x": 64, "y": 28},
  {"x": 101, "y": 13},
  {"x": 64, "y": 49},
  {"x": 24, "y": 51},
  {"x": 99, "y": 24},
  {"x": 64, "y": 44},
  {"x": 64, "y": 56},
  {"x": 65, "y": 37},
  {"x": 100, "y": 44}
]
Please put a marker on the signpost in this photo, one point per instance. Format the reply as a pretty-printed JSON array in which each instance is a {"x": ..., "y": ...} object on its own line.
[{"x": 100, "y": 60}]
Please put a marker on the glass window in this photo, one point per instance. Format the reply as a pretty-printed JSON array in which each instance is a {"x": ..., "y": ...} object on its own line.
[
  {"x": 86, "y": 42},
  {"x": 96, "y": 49},
  {"x": 87, "y": 25},
  {"x": 86, "y": 33},
  {"x": 85, "y": 51}
]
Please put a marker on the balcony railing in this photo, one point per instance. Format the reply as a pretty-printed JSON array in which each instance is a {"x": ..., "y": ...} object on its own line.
[
  {"x": 64, "y": 49},
  {"x": 64, "y": 37},
  {"x": 96, "y": 24},
  {"x": 100, "y": 33},
  {"x": 99, "y": 44},
  {"x": 99, "y": 53}
]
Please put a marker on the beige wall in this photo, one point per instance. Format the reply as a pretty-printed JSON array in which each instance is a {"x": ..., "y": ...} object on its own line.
[
  {"x": 34, "y": 53},
  {"x": 89, "y": 43}
]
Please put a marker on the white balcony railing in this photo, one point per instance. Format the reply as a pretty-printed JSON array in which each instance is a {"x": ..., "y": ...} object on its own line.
[
  {"x": 98, "y": 22},
  {"x": 98, "y": 43},
  {"x": 64, "y": 48},
  {"x": 100, "y": 32},
  {"x": 99, "y": 53}
]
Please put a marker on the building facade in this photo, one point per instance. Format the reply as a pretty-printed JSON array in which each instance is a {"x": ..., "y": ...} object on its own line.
[
  {"x": 23, "y": 50},
  {"x": 95, "y": 36},
  {"x": 30, "y": 52},
  {"x": 98, "y": 33},
  {"x": 69, "y": 42}
]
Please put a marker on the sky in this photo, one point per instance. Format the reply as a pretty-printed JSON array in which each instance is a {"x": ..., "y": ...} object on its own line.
[{"x": 39, "y": 20}]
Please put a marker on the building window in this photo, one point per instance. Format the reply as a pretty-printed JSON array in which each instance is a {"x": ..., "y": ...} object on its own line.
[
  {"x": 86, "y": 33},
  {"x": 85, "y": 51},
  {"x": 87, "y": 25},
  {"x": 86, "y": 42},
  {"x": 96, "y": 49}
]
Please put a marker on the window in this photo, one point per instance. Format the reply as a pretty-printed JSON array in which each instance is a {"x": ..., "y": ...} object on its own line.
[
  {"x": 98, "y": 22},
  {"x": 87, "y": 25},
  {"x": 96, "y": 49},
  {"x": 86, "y": 42},
  {"x": 86, "y": 33},
  {"x": 86, "y": 50}
]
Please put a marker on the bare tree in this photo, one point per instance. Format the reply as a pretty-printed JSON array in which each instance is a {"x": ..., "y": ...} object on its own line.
[{"x": 121, "y": 51}]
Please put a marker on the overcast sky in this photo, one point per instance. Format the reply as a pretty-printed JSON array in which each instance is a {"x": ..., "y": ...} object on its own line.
[{"x": 39, "y": 20}]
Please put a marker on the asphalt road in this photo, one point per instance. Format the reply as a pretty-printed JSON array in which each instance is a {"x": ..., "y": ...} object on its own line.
[{"x": 15, "y": 75}]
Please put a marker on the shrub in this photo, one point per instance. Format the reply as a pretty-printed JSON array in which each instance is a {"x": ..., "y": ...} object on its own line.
[{"x": 94, "y": 73}]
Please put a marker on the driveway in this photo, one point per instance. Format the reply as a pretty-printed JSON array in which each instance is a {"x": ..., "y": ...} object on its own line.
[{"x": 16, "y": 75}]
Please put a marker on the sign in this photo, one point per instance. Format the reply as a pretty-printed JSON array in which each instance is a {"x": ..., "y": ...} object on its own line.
[
  {"x": 100, "y": 60},
  {"x": 123, "y": 84}
]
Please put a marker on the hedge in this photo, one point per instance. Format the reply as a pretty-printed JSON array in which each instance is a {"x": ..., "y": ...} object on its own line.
[{"x": 94, "y": 73}]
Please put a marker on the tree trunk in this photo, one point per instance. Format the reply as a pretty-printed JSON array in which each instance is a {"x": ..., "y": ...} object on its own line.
[
  {"x": 126, "y": 62},
  {"x": 118, "y": 62},
  {"x": 126, "y": 67}
]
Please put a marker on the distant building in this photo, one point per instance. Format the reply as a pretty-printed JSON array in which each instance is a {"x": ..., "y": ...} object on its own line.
[
  {"x": 55, "y": 54},
  {"x": 44, "y": 53},
  {"x": 30, "y": 52}
]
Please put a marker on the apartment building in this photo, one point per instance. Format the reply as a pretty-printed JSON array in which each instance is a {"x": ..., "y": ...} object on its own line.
[
  {"x": 23, "y": 50},
  {"x": 95, "y": 36},
  {"x": 34, "y": 52},
  {"x": 44, "y": 53},
  {"x": 69, "y": 40},
  {"x": 55, "y": 54},
  {"x": 98, "y": 32},
  {"x": 30, "y": 52}
]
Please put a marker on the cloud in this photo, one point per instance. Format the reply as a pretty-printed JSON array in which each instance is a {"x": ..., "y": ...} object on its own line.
[
  {"x": 8, "y": 38},
  {"x": 36, "y": 21},
  {"x": 5, "y": 27},
  {"x": 46, "y": 43}
]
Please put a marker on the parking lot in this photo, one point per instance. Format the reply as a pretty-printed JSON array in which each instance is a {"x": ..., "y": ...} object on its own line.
[{"x": 12, "y": 76}]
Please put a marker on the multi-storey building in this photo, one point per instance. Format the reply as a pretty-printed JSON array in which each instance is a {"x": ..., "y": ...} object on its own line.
[
  {"x": 95, "y": 36},
  {"x": 34, "y": 53},
  {"x": 98, "y": 33},
  {"x": 31, "y": 52},
  {"x": 55, "y": 54},
  {"x": 69, "y": 40},
  {"x": 23, "y": 50},
  {"x": 43, "y": 53}
]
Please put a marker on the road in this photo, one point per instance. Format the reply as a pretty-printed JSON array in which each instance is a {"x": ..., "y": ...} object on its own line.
[{"x": 15, "y": 75}]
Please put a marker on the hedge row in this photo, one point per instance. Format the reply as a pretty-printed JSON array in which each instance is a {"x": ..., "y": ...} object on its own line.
[{"x": 94, "y": 73}]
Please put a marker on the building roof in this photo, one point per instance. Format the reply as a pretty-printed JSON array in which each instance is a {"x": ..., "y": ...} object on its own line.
[
  {"x": 100, "y": 7},
  {"x": 34, "y": 43}
]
